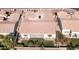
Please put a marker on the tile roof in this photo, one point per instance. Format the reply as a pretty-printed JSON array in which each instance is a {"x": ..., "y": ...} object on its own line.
[{"x": 32, "y": 24}]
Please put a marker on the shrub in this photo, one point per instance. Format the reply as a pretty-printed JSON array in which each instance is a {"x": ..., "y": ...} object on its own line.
[
  {"x": 48, "y": 43},
  {"x": 4, "y": 48},
  {"x": 25, "y": 43},
  {"x": 70, "y": 46},
  {"x": 75, "y": 42},
  {"x": 59, "y": 35},
  {"x": 1, "y": 36},
  {"x": 19, "y": 44},
  {"x": 28, "y": 43},
  {"x": 7, "y": 43},
  {"x": 38, "y": 42}
]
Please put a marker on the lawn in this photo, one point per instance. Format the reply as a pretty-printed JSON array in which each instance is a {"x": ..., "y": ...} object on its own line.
[{"x": 74, "y": 43}]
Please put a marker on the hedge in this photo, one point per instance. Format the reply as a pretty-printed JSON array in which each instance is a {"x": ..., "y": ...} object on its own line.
[{"x": 38, "y": 42}]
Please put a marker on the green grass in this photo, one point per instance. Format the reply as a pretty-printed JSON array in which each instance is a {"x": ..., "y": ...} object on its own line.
[
  {"x": 75, "y": 41},
  {"x": 48, "y": 43},
  {"x": 27, "y": 44}
]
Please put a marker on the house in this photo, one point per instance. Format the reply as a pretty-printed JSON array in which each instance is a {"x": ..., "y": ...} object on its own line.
[
  {"x": 38, "y": 24},
  {"x": 7, "y": 26}
]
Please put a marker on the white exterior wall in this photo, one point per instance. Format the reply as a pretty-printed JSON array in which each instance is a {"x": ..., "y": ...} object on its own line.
[
  {"x": 66, "y": 32},
  {"x": 4, "y": 33},
  {"x": 75, "y": 35},
  {"x": 25, "y": 36},
  {"x": 45, "y": 36}
]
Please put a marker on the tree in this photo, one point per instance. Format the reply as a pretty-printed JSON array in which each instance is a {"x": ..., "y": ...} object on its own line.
[
  {"x": 7, "y": 42},
  {"x": 62, "y": 39}
]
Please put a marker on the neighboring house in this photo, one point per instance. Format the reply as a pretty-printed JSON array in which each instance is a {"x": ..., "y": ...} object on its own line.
[
  {"x": 7, "y": 26},
  {"x": 70, "y": 26}
]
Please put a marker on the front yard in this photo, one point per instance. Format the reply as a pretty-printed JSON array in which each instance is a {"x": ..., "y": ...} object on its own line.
[{"x": 7, "y": 43}]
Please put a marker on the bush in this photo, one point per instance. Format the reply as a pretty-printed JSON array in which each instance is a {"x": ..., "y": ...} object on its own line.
[
  {"x": 4, "y": 48},
  {"x": 19, "y": 44},
  {"x": 70, "y": 48},
  {"x": 7, "y": 43},
  {"x": 74, "y": 43},
  {"x": 48, "y": 43},
  {"x": 38, "y": 42},
  {"x": 28, "y": 44},
  {"x": 1, "y": 36},
  {"x": 25, "y": 43},
  {"x": 60, "y": 35}
]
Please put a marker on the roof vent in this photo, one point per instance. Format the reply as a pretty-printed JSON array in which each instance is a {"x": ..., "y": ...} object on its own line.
[
  {"x": 7, "y": 13},
  {"x": 39, "y": 17},
  {"x": 5, "y": 19}
]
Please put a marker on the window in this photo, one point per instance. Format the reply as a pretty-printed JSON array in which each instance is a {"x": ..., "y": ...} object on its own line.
[
  {"x": 25, "y": 35},
  {"x": 75, "y": 35},
  {"x": 7, "y": 13},
  {"x": 49, "y": 35}
]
